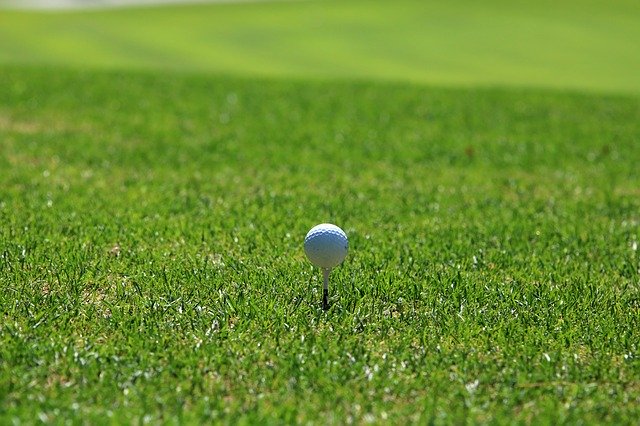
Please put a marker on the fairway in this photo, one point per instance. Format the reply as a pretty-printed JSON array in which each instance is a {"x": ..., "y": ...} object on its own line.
[
  {"x": 160, "y": 168},
  {"x": 579, "y": 44}
]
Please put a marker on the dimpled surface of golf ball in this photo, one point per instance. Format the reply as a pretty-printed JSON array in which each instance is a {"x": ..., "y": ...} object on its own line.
[{"x": 326, "y": 245}]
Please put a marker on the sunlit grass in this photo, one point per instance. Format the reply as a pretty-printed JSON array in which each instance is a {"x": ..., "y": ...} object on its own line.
[
  {"x": 586, "y": 45},
  {"x": 151, "y": 260}
]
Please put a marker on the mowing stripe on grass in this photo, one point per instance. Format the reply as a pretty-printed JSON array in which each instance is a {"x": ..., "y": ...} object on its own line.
[{"x": 574, "y": 44}]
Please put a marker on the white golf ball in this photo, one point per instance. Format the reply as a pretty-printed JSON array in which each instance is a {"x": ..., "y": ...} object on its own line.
[{"x": 326, "y": 245}]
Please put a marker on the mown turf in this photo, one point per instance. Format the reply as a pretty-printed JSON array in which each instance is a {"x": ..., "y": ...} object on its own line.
[
  {"x": 151, "y": 260},
  {"x": 583, "y": 44}
]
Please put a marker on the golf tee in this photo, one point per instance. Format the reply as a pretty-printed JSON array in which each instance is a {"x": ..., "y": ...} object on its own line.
[{"x": 325, "y": 289}]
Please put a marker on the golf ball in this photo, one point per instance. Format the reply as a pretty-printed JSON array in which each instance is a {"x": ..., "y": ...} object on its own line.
[{"x": 326, "y": 245}]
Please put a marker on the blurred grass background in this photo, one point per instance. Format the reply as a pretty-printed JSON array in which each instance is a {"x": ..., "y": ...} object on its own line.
[{"x": 587, "y": 45}]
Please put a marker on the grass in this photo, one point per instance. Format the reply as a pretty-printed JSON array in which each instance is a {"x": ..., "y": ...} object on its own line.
[
  {"x": 587, "y": 45},
  {"x": 152, "y": 214},
  {"x": 151, "y": 259}
]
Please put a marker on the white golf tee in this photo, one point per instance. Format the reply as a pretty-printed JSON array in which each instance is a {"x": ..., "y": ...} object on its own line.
[{"x": 325, "y": 289}]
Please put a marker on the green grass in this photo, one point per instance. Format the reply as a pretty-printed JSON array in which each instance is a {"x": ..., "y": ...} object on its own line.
[
  {"x": 151, "y": 261},
  {"x": 582, "y": 44},
  {"x": 151, "y": 221}
]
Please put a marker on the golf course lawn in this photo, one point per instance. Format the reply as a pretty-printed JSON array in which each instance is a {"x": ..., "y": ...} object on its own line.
[
  {"x": 152, "y": 220},
  {"x": 588, "y": 45},
  {"x": 152, "y": 262}
]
